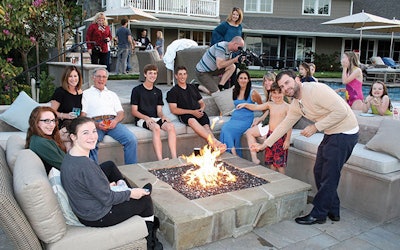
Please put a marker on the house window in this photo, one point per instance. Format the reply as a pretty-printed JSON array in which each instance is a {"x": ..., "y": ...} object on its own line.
[
  {"x": 103, "y": 3},
  {"x": 201, "y": 37},
  {"x": 263, "y": 6},
  {"x": 305, "y": 51},
  {"x": 254, "y": 43},
  {"x": 317, "y": 7}
]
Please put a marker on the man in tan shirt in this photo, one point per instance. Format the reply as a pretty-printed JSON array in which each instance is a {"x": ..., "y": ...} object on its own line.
[{"x": 330, "y": 114}]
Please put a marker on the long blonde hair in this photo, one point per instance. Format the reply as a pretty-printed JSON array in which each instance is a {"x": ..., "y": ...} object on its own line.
[
  {"x": 268, "y": 76},
  {"x": 99, "y": 15},
  {"x": 160, "y": 34},
  {"x": 353, "y": 60}
]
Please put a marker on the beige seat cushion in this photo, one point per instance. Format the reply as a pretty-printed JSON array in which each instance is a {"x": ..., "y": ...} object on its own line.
[
  {"x": 15, "y": 144},
  {"x": 127, "y": 233},
  {"x": 36, "y": 198},
  {"x": 360, "y": 157}
]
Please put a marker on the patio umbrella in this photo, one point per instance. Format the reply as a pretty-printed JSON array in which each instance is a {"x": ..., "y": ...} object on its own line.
[
  {"x": 361, "y": 20},
  {"x": 385, "y": 29},
  {"x": 130, "y": 13}
]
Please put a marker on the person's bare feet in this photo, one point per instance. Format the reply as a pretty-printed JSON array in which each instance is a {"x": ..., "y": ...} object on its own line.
[
  {"x": 217, "y": 145},
  {"x": 256, "y": 161}
]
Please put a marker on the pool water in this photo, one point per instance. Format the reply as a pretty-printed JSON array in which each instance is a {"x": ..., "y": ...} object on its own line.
[{"x": 394, "y": 92}]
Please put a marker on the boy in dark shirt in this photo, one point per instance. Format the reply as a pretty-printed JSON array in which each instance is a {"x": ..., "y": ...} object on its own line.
[
  {"x": 146, "y": 101},
  {"x": 186, "y": 102}
]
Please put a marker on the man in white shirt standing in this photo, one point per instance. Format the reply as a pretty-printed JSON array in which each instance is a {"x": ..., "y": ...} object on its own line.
[{"x": 104, "y": 107}]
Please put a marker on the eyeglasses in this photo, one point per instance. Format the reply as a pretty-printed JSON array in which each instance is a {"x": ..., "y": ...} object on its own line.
[
  {"x": 302, "y": 108},
  {"x": 102, "y": 77},
  {"x": 48, "y": 121}
]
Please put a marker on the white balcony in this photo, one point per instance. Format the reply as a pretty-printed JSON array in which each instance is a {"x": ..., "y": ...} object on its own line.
[{"x": 198, "y": 8}]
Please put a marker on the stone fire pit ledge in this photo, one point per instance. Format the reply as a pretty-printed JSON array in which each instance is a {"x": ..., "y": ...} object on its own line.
[{"x": 189, "y": 223}]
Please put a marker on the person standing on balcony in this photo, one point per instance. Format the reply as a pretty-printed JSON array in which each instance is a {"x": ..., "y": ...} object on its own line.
[
  {"x": 331, "y": 114},
  {"x": 97, "y": 37},
  {"x": 125, "y": 46}
]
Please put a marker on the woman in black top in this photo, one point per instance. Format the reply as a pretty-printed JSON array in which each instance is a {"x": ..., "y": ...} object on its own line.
[{"x": 67, "y": 99}]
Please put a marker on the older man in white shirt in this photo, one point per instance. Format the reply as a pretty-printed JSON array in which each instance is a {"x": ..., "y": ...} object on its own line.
[{"x": 104, "y": 107}]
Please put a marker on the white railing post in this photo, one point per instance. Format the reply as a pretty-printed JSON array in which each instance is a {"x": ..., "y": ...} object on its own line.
[{"x": 156, "y": 5}]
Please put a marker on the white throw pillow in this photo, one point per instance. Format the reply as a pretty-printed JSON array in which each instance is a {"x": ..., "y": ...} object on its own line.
[
  {"x": 17, "y": 115},
  {"x": 62, "y": 198},
  {"x": 224, "y": 101}
]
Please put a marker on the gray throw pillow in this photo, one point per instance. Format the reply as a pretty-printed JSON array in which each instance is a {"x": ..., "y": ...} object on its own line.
[{"x": 387, "y": 138}]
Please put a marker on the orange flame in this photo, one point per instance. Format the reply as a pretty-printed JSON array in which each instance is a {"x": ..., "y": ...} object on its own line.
[
  {"x": 207, "y": 174},
  {"x": 215, "y": 120}
]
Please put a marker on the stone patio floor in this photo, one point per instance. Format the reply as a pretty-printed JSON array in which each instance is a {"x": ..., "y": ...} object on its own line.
[{"x": 353, "y": 232}]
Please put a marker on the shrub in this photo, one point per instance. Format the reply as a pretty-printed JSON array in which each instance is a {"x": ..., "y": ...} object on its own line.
[{"x": 325, "y": 62}]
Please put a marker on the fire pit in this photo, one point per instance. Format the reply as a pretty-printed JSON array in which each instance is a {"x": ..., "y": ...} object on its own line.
[
  {"x": 175, "y": 178},
  {"x": 187, "y": 223}
]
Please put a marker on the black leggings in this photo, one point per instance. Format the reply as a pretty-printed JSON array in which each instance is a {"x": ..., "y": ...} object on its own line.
[
  {"x": 123, "y": 211},
  {"x": 112, "y": 172}
]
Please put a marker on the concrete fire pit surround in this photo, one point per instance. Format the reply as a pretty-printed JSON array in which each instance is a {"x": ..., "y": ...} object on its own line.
[{"x": 189, "y": 223}]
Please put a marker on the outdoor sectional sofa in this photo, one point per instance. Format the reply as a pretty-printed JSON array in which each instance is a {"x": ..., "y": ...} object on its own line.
[
  {"x": 31, "y": 215},
  {"x": 369, "y": 184}
]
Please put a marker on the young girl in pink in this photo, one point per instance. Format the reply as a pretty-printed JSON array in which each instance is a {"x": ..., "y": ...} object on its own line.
[{"x": 352, "y": 77}]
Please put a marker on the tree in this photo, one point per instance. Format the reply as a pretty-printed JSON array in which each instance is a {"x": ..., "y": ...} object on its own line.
[{"x": 28, "y": 24}]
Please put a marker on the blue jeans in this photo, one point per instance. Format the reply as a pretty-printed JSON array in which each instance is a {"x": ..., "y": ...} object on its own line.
[
  {"x": 123, "y": 136},
  {"x": 333, "y": 152},
  {"x": 122, "y": 58}
]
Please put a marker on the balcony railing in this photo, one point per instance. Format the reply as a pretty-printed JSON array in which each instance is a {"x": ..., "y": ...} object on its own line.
[{"x": 203, "y": 8}]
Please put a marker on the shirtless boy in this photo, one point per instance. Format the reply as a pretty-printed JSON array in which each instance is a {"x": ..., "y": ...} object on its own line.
[{"x": 275, "y": 156}]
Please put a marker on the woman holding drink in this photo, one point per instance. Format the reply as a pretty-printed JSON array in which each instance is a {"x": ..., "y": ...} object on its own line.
[{"x": 67, "y": 99}]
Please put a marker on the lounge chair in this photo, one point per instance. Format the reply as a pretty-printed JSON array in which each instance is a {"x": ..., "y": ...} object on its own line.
[
  {"x": 383, "y": 74},
  {"x": 377, "y": 62},
  {"x": 390, "y": 62}
]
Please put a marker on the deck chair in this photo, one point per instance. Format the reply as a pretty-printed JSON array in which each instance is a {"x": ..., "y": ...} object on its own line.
[{"x": 390, "y": 62}]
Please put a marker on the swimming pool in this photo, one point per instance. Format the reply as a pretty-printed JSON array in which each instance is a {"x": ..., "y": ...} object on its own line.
[{"x": 394, "y": 92}]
